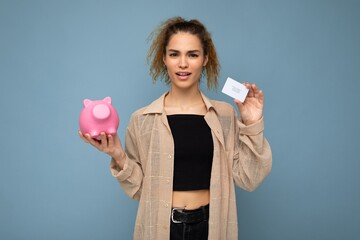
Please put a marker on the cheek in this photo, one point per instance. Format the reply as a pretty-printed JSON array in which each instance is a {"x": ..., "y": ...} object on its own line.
[
  {"x": 198, "y": 65},
  {"x": 169, "y": 63}
]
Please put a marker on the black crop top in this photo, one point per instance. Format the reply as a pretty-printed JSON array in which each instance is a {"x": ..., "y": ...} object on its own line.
[{"x": 193, "y": 152}]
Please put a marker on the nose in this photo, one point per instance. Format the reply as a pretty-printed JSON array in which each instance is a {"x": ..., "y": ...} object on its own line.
[{"x": 183, "y": 63}]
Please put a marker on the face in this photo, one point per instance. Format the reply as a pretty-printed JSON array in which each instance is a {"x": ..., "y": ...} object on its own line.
[{"x": 184, "y": 59}]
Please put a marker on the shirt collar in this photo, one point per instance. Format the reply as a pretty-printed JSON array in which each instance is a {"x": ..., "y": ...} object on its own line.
[{"x": 157, "y": 106}]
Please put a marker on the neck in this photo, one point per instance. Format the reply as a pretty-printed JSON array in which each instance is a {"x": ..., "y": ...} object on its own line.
[
  {"x": 187, "y": 101},
  {"x": 184, "y": 96}
]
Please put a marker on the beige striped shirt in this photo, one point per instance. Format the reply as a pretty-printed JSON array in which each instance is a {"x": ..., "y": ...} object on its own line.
[{"x": 242, "y": 156}]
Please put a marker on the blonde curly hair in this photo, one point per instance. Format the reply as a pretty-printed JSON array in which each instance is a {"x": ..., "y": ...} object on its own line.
[{"x": 161, "y": 36}]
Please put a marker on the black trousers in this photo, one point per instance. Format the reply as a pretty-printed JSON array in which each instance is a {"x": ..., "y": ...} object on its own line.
[
  {"x": 192, "y": 224},
  {"x": 189, "y": 231}
]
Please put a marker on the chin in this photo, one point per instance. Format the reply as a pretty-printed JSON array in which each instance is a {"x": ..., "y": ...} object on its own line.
[{"x": 185, "y": 85}]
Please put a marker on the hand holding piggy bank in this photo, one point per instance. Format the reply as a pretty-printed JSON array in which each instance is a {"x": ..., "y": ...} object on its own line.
[{"x": 98, "y": 116}]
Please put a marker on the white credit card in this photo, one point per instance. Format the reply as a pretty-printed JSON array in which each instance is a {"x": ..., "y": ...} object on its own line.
[{"x": 235, "y": 89}]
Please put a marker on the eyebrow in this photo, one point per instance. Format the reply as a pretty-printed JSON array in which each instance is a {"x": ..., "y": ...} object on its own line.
[{"x": 190, "y": 51}]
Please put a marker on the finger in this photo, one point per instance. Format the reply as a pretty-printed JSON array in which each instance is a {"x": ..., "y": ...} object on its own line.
[
  {"x": 261, "y": 97},
  {"x": 247, "y": 85},
  {"x": 251, "y": 90},
  {"x": 92, "y": 141},
  {"x": 104, "y": 141},
  {"x": 110, "y": 141},
  {"x": 258, "y": 93},
  {"x": 238, "y": 103},
  {"x": 82, "y": 136},
  {"x": 255, "y": 90}
]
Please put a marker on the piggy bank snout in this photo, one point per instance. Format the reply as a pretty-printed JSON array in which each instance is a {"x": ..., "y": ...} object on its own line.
[{"x": 101, "y": 111}]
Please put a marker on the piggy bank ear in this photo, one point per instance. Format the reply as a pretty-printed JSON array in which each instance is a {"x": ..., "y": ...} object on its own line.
[
  {"x": 107, "y": 100},
  {"x": 87, "y": 102}
]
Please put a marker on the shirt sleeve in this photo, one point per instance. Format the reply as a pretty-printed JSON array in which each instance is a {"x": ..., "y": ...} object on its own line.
[
  {"x": 252, "y": 155},
  {"x": 131, "y": 176}
]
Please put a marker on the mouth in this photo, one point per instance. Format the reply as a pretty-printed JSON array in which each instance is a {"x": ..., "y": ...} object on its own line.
[{"x": 183, "y": 74}]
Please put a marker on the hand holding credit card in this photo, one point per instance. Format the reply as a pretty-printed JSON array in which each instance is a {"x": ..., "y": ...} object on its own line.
[{"x": 235, "y": 89}]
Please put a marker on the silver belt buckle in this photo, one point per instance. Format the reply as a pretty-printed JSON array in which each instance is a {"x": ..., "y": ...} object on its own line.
[{"x": 172, "y": 214}]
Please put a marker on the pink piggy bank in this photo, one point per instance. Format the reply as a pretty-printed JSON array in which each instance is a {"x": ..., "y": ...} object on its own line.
[{"x": 98, "y": 116}]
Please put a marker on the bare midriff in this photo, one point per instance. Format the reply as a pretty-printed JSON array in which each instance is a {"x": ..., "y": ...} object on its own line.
[{"x": 190, "y": 199}]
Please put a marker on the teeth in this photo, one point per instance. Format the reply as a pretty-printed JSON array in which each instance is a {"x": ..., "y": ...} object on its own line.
[{"x": 183, "y": 74}]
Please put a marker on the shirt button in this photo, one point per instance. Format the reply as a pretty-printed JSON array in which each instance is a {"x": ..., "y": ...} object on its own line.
[
  {"x": 169, "y": 157},
  {"x": 168, "y": 181},
  {"x": 166, "y": 205}
]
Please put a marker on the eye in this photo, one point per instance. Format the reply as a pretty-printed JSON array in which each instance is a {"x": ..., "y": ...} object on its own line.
[
  {"x": 173, "y": 54},
  {"x": 193, "y": 55}
]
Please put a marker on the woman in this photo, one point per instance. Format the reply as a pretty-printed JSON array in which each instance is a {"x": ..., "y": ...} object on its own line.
[{"x": 183, "y": 152}]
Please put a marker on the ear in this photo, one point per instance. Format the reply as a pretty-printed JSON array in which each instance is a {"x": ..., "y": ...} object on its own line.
[
  {"x": 107, "y": 100},
  {"x": 206, "y": 59},
  {"x": 87, "y": 102},
  {"x": 164, "y": 59}
]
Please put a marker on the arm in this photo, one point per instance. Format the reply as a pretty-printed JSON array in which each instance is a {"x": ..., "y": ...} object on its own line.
[
  {"x": 125, "y": 165},
  {"x": 252, "y": 156},
  {"x": 130, "y": 176}
]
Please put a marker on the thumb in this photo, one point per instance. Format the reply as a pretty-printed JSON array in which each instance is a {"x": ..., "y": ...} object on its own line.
[{"x": 238, "y": 103}]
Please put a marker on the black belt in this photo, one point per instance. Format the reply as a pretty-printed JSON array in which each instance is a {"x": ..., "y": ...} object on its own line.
[{"x": 181, "y": 215}]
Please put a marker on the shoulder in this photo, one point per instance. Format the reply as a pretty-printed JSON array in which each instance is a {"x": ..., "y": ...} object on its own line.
[
  {"x": 139, "y": 112},
  {"x": 221, "y": 104},
  {"x": 145, "y": 116},
  {"x": 220, "y": 107},
  {"x": 139, "y": 120},
  {"x": 157, "y": 106},
  {"x": 139, "y": 117},
  {"x": 223, "y": 108}
]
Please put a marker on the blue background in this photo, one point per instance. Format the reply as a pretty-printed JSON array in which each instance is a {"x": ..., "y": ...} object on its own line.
[{"x": 305, "y": 55}]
